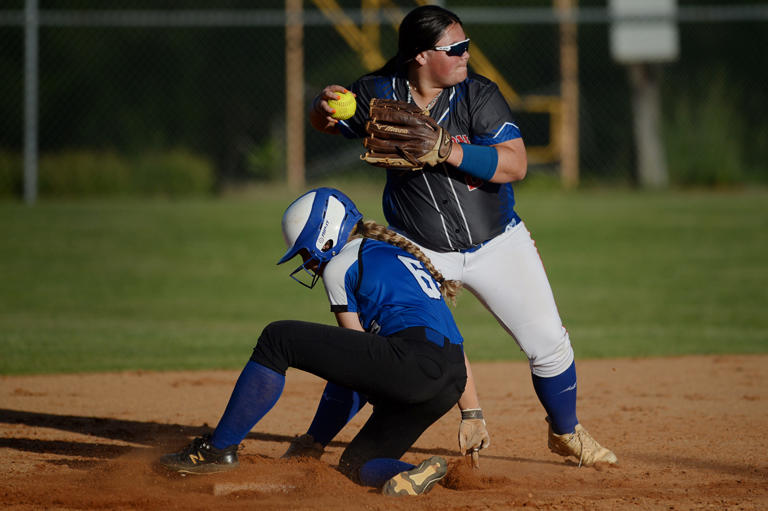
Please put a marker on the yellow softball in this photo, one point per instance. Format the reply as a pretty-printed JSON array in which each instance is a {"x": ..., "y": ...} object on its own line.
[{"x": 344, "y": 106}]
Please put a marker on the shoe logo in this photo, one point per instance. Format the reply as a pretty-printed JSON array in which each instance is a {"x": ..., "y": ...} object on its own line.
[
  {"x": 197, "y": 458},
  {"x": 572, "y": 387}
]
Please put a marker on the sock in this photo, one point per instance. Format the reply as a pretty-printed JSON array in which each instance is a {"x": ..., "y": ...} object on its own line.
[
  {"x": 337, "y": 407},
  {"x": 378, "y": 471},
  {"x": 558, "y": 395},
  {"x": 257, "y": 390}
]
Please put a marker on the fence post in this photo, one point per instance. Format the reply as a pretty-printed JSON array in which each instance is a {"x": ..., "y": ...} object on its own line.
[
  {"x": 31, "y": 24},
  {"x": 294, "y": 95},
  {"x": 646, "y": 111},
  {"x": 569, "y": 91}
]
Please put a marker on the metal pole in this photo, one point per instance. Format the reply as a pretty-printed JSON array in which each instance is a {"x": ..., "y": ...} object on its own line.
[
  {"x": 646, "y": 108},
  {"x": 31, "y": 24},
  {"x": 294, "y": 95}
]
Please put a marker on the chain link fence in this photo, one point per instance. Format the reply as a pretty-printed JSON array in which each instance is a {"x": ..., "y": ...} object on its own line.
[{"x": 130, "y": 77}]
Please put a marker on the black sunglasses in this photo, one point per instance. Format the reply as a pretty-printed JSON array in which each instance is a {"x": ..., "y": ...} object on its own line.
[{"x": 455, "y": 49}]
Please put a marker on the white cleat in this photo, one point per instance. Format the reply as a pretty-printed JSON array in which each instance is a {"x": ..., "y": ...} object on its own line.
[{"x": 581, "y": 446}]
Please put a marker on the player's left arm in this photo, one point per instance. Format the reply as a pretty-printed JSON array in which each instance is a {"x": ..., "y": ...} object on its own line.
[
  {"x": 497, "y": 152},
  {"x": 511, "y": 160}
]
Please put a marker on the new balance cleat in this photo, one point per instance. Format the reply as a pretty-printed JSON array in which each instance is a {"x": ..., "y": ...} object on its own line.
[
  {"x": 581, "y": 446},
  {"x": 200, "y": 457},
  {"x": 418, "y": 480},
  {"x": 304, "y": 446}
]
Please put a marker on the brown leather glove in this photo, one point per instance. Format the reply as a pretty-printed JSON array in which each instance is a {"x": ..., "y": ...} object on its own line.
[{"x": 402, "y": 136}]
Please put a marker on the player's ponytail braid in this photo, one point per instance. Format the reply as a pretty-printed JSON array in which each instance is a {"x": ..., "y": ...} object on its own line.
[{"x": 370, "y": 229}]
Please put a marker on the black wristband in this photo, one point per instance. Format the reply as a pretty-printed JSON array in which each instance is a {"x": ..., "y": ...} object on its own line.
[{"x": 475, "y": 413}]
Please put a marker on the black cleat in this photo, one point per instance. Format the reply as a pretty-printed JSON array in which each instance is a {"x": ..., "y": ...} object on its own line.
[
  {"x": 304, "y": 446},
  {"x": 200, "y": 457}
]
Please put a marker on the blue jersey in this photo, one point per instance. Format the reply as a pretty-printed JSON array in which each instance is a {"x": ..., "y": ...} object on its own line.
[
  {"x": 441, "y": 207},
  {"x": 388, "y": 288}
]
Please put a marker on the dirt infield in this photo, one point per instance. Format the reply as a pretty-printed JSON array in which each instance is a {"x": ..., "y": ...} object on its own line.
[{"x": 689, "y": 433}]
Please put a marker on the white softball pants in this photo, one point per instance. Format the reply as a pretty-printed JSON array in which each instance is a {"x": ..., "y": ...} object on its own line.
[{"x": 507, "y": 276}]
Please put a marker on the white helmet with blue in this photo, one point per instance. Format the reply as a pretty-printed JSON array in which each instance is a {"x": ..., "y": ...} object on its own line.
[{"x": 319, "y": 222}]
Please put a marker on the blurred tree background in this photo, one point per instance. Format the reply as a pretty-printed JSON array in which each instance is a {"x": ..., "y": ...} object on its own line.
[{"x": 119, "y": 85}]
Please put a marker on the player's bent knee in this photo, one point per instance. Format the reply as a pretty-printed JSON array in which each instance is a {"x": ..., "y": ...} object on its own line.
[
  {"x": 553, "y": 359},
  {"x": 269, "y": 350}
]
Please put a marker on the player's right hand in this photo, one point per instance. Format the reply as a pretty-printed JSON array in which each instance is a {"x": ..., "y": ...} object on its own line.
[{"x": 321, "y": 105}]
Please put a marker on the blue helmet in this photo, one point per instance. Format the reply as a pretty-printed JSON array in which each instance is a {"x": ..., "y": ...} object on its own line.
[{"x": 319, "y": 222}]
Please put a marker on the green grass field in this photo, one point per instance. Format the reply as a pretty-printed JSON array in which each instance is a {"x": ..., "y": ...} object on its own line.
[{"x": 99, "y": 286}]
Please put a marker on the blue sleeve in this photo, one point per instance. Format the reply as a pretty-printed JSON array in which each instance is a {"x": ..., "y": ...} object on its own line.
[{"x": 350, "y": 286}]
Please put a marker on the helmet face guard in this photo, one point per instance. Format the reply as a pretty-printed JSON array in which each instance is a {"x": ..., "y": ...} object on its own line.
[
  {"x": 317, "y": 225},
  {"x": 307, "y": 277}
]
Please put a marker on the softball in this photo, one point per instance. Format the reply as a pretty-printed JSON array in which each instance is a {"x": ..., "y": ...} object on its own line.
[{"x": 344, "y": 106}]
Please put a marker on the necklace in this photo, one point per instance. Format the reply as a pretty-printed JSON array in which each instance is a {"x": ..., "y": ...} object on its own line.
[{"x": 431, "y": 103}]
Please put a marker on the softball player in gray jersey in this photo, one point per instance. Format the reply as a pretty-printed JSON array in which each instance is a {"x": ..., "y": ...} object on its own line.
[{"x": 461, "y": 213}]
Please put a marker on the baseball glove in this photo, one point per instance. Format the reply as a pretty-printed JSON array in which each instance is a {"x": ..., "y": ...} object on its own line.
[{"x": 402, "y": 136}]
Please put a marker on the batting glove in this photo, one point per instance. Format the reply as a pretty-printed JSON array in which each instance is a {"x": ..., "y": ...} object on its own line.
[{"x": 473, "y": 435}]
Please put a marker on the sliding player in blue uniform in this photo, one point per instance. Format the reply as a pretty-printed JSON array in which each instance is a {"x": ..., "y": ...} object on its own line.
[{"x": 399, "y": 346}]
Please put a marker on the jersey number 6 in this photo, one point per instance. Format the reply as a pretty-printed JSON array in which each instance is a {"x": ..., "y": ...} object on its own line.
[{"x": 426, "y": 282}]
